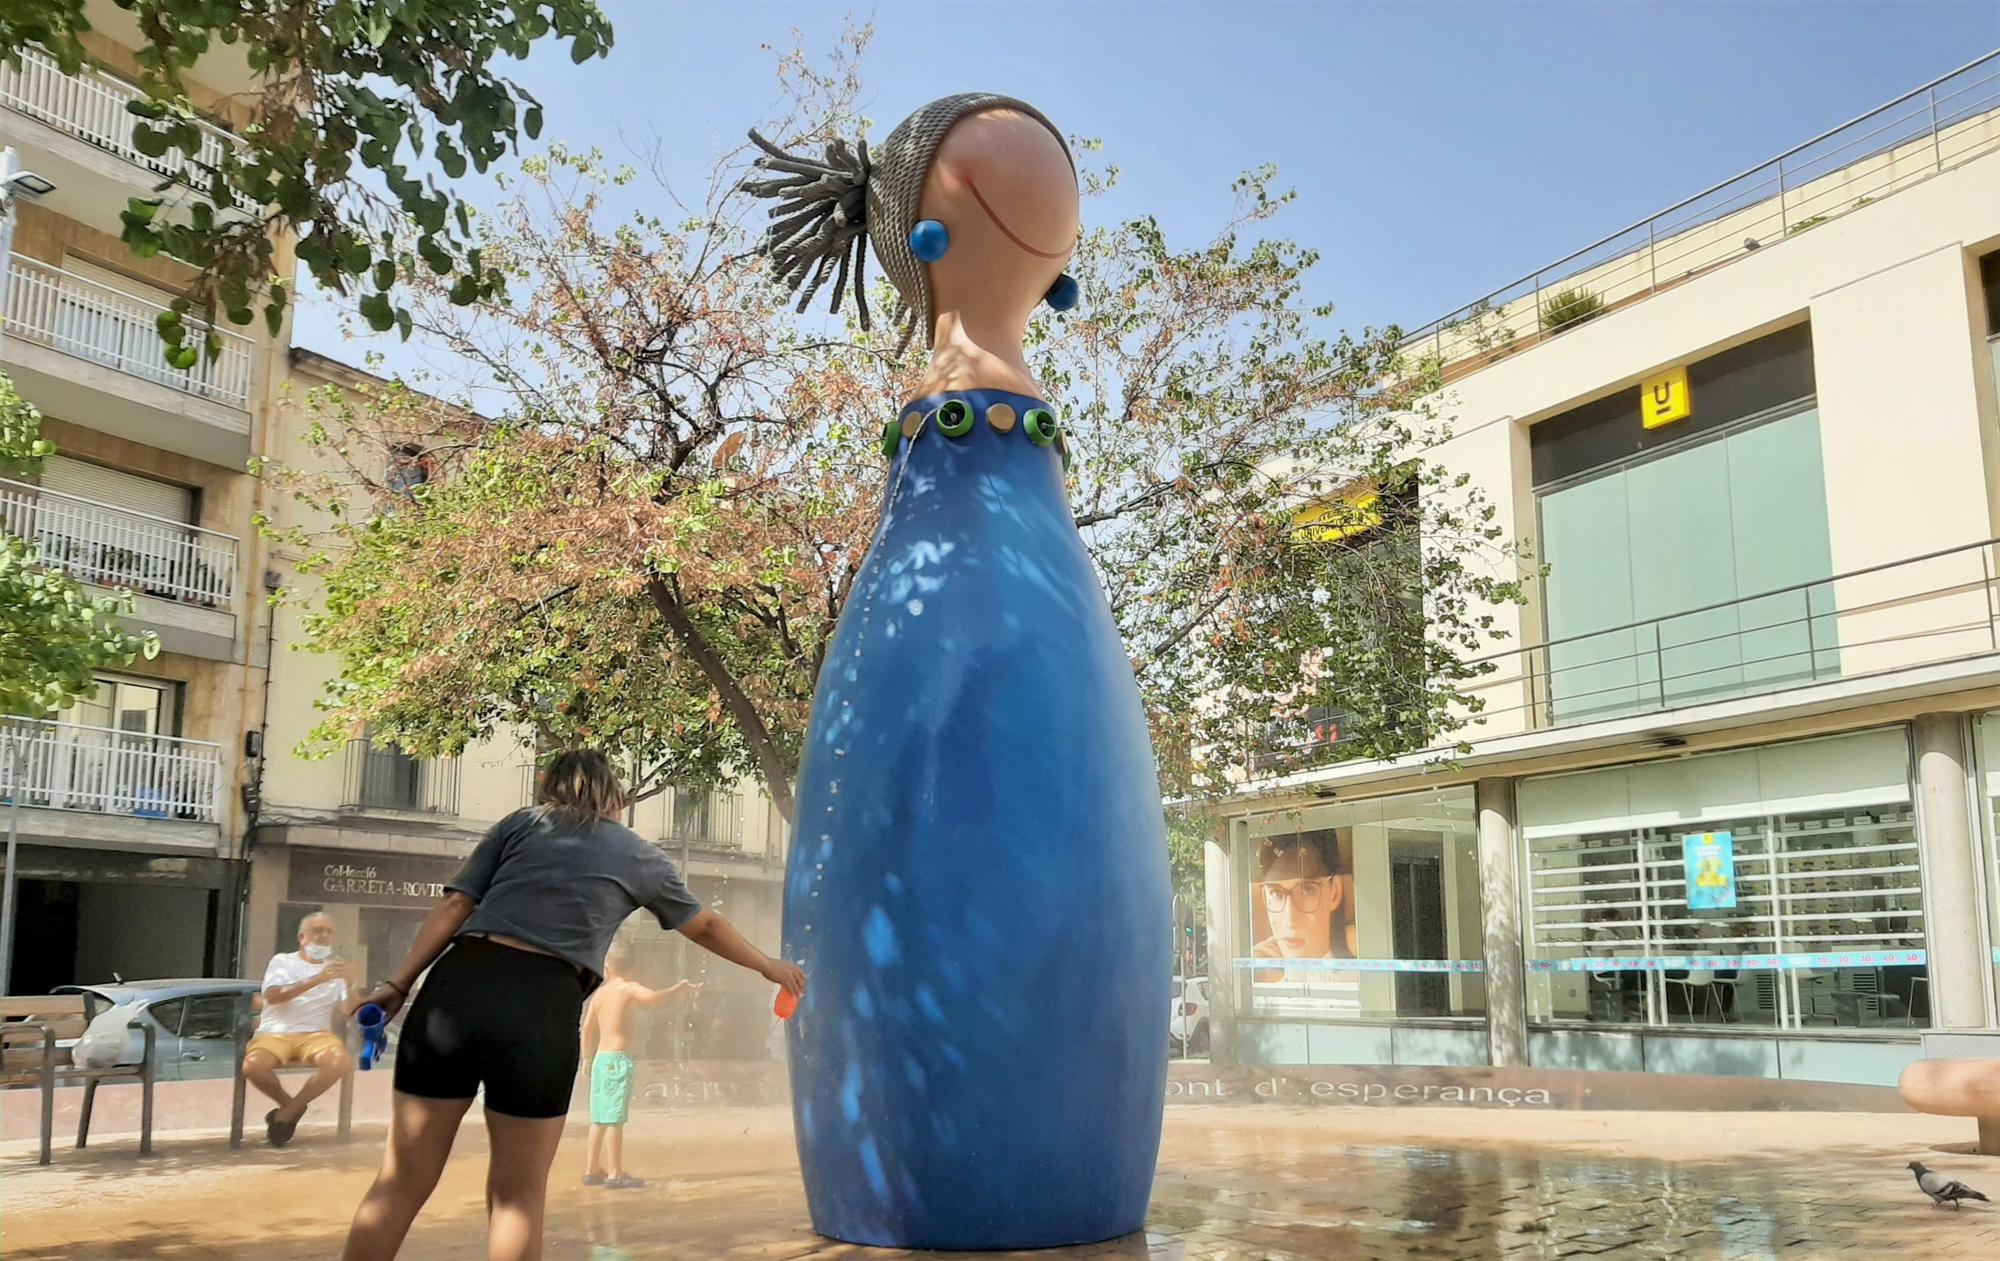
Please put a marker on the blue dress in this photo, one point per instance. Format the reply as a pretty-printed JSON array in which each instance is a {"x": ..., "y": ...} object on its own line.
[{"x": 978, "y": 886}]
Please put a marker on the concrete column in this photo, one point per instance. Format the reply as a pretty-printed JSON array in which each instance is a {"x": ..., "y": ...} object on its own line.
[
  {"x": 1222, "y": 973},
  {"x": 1500, "y": 910},
  {"x": 1951, "y": 871}
]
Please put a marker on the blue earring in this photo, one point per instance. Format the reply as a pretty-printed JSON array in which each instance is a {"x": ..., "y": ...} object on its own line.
[
  {"x": 1062, "y": 295},
  {"x": 929, "y": 240}
]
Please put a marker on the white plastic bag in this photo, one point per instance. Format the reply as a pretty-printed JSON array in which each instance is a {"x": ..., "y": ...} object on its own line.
[{"x": 108, "y": 1041}]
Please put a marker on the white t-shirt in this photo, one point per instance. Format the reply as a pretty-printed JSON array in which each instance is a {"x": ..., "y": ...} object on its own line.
[{"x": 310, "y": 1012}]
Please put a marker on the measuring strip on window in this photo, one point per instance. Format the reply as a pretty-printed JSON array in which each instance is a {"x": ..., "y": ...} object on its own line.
[
  {"x": 1743, "y": 963},
  {"x": 1363, "y": 965}
]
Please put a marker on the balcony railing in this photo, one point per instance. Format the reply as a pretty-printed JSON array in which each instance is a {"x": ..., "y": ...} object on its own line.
[
  {"x": 389, "y": 779},
  {"x": 51, "y": 307},
  {"x": 62, "y": 766},
  {"x": 92, "y": 107},
  {"x": 117, "y": 547},
  {"x": 1922, "y": 610},
  {"x": 704, "y": 818},
  {"x": 1936, "y": 127}
]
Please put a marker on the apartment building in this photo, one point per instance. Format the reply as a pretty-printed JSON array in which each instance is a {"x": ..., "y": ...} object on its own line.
[
  {"x": 1730, "y": 800},
  {"x": 141, "y": 854},
  {"x": 130, "y": 816}
]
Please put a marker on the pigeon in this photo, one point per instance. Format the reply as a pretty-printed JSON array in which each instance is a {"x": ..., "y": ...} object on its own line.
[{"x": 1941, "y": 1189}]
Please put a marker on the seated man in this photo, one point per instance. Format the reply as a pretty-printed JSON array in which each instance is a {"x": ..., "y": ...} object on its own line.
[{"x": 304, "y": 993}]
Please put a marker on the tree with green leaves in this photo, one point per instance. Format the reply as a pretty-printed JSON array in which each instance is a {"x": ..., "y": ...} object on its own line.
[
  {"x": 648, "y": 550},
  {"x": 359, "y": 107},
  {"x": 54, "y": 637}
]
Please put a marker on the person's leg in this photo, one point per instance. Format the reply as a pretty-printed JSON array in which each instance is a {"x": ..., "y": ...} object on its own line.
[
  {"x": 420, "y": 1137},
  {"x": 517, "y": 1183},
  {"x": 614, "y": 1150},
  {"x": 329, "y": 1066},
  {"x": 593, "y": 1153},
  {"x": 260, "y": 1069}
]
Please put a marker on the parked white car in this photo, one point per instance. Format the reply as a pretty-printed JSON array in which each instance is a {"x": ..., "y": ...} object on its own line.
[{"x": 1187, "y": 1028}]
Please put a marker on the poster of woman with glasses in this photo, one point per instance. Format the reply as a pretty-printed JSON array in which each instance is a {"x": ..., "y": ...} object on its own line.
[{"x": 1301, "y": 909}]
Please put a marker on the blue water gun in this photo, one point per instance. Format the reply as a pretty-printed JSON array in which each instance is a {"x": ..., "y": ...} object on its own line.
[{"x": 374, "y": 1023}]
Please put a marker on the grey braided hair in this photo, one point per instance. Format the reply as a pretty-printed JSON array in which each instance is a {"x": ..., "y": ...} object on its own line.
[{"x": 829, "y": 207}]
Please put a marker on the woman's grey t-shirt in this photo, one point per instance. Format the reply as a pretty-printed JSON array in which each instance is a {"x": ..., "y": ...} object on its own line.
[{"x": 543, "y": 878}]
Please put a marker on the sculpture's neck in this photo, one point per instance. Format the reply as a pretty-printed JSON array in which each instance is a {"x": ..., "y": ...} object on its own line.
[{"x": 978, "y": 350}]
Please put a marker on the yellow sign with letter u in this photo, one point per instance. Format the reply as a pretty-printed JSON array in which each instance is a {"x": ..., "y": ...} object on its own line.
[{"x": 1664, "y": 399}]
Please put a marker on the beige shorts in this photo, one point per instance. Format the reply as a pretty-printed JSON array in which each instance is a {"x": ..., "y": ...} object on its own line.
[{"x": 294, "y": 1048}]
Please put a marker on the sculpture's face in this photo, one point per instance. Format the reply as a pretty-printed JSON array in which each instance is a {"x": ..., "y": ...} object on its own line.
[{"x": 1003, "y": 187}]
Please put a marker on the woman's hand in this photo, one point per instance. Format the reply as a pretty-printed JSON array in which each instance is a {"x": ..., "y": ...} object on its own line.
[
  {"x": 386, "y": 996},
  {"x": 787, "y": 975}
]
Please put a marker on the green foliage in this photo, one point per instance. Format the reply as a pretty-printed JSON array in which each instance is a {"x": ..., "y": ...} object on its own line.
[
  {"x": 351, "y": 97},
  {"x": 1570, "y": 306},
  {"x": 54, "y": 638},
  {"x": 1187, "y": 842}
]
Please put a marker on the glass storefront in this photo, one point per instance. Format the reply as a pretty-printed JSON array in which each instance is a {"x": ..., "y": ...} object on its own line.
[
  {"x": 1775, "y": 887},
  {"x": 1363, "y": 911},
  {"x": 1986, "y": 740}
]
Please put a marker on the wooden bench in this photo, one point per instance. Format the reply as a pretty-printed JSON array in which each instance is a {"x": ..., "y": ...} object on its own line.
[
  {"x": 1959, "y": 1076},
  {"x": 246, "y": 1029},
  {"x": 31, "y": 1027}
]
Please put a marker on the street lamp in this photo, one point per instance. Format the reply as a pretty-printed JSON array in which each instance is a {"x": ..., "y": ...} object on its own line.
[{"x": 15, "y": 184}]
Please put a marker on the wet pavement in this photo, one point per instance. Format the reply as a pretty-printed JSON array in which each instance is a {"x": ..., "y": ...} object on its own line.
[{"x": 1236, "y": 1182}]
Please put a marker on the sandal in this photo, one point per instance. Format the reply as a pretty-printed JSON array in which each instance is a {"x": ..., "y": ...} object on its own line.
[
  {"x": 593, "y": 1179},
  {"x": 623, "y": 1182},
  {"x": 277, "y": 1133}
]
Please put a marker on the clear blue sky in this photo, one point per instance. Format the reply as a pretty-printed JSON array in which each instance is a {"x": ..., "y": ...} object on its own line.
[{"x": 1440, "y": 150}]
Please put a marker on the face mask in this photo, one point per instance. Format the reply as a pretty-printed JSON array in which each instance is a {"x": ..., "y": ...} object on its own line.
[{"x": 318, "y": 954}]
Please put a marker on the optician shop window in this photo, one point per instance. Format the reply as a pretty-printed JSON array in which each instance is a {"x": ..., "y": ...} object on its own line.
[
  {"x": 1775, "y": 887},
  {"x": 1365, "y": 910}
]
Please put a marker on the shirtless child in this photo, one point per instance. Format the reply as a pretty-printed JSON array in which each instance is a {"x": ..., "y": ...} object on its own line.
[{"x": 604, "y": 1043}]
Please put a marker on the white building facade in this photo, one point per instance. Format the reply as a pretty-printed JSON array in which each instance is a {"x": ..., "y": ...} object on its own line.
[{"x": 1729, "y": 804}]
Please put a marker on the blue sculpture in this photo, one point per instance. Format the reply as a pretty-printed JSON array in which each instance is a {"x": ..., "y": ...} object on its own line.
[{"x": 978, "y": 884}]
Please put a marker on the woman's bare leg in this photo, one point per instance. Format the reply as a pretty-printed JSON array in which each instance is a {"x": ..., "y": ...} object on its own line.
[
  {"x": 420, "y": 1137},
  {"x": 517, "y": 1183}
]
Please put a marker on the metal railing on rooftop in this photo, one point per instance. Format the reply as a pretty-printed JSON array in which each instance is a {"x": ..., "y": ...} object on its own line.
[
  {"x": 118, "y": 547},
  {"x": 1919, "y": 610},
  {"x": 1917, "y": 135},
  {"x": 1924, "y": 610}
]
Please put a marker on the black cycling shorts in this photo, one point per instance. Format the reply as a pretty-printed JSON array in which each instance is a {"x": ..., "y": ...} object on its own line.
[{"x": 490, "y": 1015}]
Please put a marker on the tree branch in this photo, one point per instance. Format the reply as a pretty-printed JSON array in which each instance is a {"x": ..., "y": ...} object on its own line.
[{"x": 742, "y": 710}]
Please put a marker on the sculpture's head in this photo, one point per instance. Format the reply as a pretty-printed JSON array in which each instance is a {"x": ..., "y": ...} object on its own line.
[{"x": 972, "y": 205}]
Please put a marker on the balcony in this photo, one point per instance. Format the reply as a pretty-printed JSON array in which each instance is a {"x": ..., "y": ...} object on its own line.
[
  {"x": 1924, "y": 610},
  {"x": 97, "y": 323},
  {"x": 80, "y": 349},
  {"x": 62, "y": 766},
  {"x": 117, "y": 547},
  {"x": 705, "y": 819},
  {"x": 389, "y": 779},
  {"x": 76, "y": 130}
]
